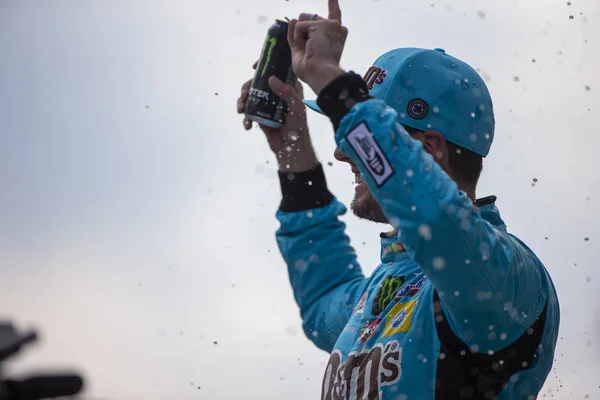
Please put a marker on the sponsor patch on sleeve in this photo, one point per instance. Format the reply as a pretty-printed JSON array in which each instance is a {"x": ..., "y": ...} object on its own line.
[{"x": 366, "y": 147}]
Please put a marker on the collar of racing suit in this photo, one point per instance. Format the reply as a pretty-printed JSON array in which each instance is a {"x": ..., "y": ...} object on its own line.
[{"x": 393, "y": 250}]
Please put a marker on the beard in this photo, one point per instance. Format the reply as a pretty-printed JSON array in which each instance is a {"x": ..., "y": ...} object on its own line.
[{"x": 364, "y": 206}]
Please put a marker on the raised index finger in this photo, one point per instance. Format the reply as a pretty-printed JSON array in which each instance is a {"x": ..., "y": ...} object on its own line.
[{"x": 334, "y": 10}]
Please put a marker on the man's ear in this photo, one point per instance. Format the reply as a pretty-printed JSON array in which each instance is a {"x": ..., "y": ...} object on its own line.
[{"x": 435, "y": 144}]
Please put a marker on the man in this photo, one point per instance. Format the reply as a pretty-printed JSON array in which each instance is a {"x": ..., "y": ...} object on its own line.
[{"x": 459, "y": 307}]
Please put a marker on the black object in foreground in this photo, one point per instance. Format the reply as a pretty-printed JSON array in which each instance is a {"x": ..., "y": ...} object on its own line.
[
  {"x": 36, "y": 387},
  {"x": 264, "y": 106}
]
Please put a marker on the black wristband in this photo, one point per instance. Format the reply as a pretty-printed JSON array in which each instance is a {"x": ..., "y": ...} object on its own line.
[
  {"x": 304, "y": 190},
  {"x": 340, "y": 95}
]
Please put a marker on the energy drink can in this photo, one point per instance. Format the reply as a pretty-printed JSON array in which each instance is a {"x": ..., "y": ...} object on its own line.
[{"x": 264, "y": 106}]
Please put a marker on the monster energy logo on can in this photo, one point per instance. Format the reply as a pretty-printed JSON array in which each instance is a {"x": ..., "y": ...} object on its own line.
[
  {"x": 386, "y": 293},
  {"x": 264, "y": 106},
  {"x": 271, "y": 42}
]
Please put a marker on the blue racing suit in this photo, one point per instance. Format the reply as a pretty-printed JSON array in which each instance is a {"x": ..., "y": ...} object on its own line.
[{"x": 458, "y": 308}]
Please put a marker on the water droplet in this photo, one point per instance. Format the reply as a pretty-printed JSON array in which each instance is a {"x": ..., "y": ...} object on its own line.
[
  {"x": 473, "y": 137},
  {"x": 409, "y": 173},
  {"x": 472, "y": 115},
  {"x": 516, "y": 78},
  {"x": 300, "y": 265},
  {"x": 439, "y": 263},
  {"x": 425, "y": 232},
  {"x": 481, "y": 14},
  {"x": 436, "y": 109}
]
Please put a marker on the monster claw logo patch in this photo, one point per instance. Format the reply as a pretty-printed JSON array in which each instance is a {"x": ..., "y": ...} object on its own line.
[{"x": 386, "y": 293}]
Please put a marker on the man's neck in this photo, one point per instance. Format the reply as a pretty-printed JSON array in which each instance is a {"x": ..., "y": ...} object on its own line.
[{"x": 469, "y": 190}]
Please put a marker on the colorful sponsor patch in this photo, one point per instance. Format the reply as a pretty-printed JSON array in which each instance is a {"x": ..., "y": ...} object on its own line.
[
  {"x": 399, "y": 318},
  {"x": 386, "y": 292},
  {"x": 410, "y": 289},
  {"x": 393, "y": 248},
  {"x": 360, "y": 306},
  {"x": 369, "y": 329}
]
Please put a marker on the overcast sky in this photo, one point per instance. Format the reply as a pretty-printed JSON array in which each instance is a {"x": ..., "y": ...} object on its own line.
[{"x": 137, "y": 216}]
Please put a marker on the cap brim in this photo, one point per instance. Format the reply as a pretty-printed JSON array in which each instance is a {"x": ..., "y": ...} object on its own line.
[{"x": 312, "y": 104}]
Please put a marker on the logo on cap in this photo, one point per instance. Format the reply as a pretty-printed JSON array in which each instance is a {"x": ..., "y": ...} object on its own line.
[
  {"x": 417, "y": 109},
  {"x": 374, "y": 76}
]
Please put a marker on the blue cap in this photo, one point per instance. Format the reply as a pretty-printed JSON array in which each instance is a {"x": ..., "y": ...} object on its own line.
[{"x": 430, "y": 89}]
